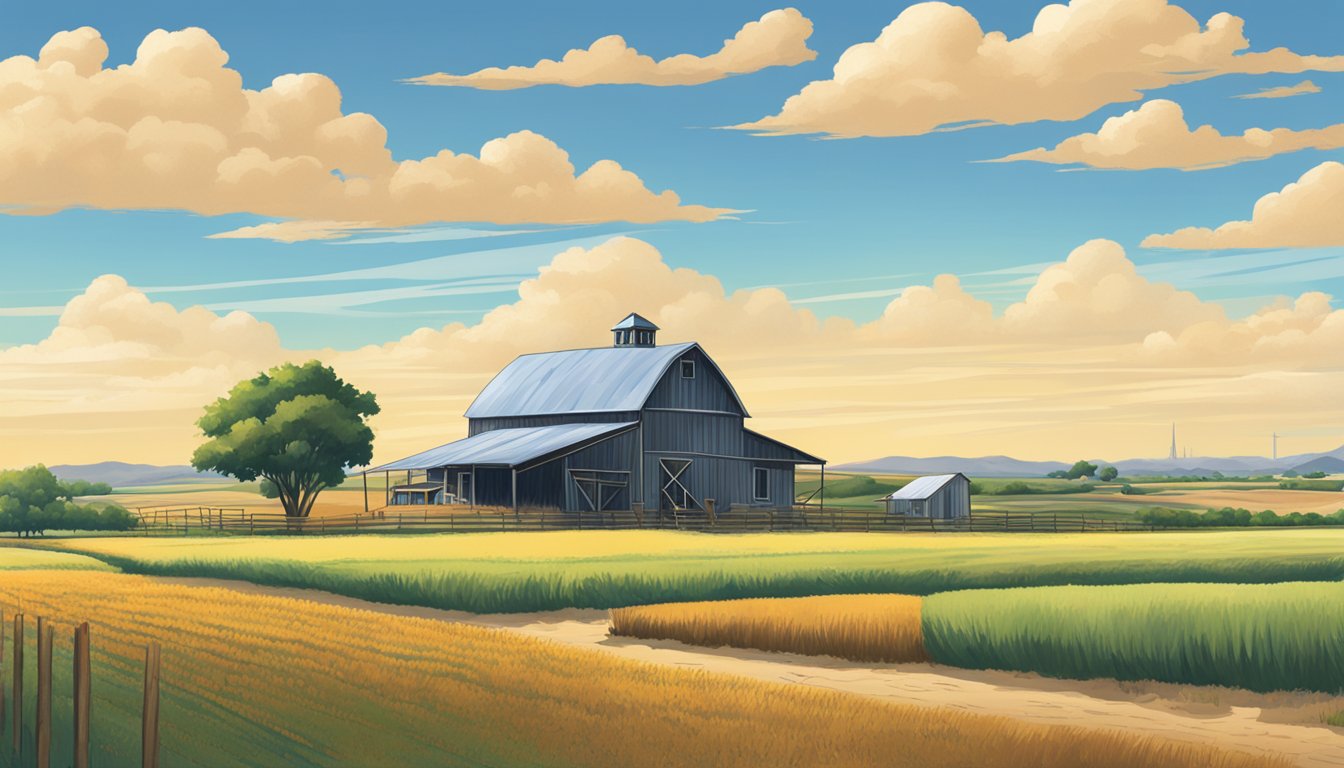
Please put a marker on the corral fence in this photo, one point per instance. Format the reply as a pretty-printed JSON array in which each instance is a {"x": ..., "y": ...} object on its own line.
[
  {"x": 734, "y": 519},
  {"x": 29, "y": 744}
]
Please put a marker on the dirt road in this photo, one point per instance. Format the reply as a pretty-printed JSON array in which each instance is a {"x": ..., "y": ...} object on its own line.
[{"x": 1285, "y": 724}]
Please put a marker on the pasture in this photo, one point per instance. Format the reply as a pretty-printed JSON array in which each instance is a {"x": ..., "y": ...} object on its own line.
[
  {"x": 516, "y": 572},
  {"x": 259, "y": 680}
]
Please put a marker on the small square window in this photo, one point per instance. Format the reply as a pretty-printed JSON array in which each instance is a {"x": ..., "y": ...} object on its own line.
[
  {"x": 688, "y": 369},
  {"x": 761, "y": 489}
]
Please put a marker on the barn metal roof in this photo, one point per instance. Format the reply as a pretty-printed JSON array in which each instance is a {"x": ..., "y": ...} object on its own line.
[
  {"x": 635, "y": 320},
  {"x": 578, "y": 381},
  {"x": 923, "y": 487},
  {"x": 506, "y": 447}
]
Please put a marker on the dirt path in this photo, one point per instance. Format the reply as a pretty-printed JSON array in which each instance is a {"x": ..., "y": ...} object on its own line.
[{"x": 1284, "y": 724}]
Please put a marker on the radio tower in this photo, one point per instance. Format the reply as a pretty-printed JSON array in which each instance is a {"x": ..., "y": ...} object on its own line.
[
  {"x": 1276, "y": 445},
  {"x": 1173, "y": 442}
]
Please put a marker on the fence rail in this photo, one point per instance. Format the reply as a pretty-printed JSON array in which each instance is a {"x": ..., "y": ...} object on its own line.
[{"x": 735, "y": 519}]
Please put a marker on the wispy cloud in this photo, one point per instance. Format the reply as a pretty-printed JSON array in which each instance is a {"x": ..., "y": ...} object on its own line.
[{"x": 1283, "y": 91}]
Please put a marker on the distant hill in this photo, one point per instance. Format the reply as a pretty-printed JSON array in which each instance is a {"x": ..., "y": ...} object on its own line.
[
  {"x": 1327, "y": 464},
  {"x": 983, "y": 466},
  {"x": 119, "y": 474},
  {"x": 1007, "y": 466}
]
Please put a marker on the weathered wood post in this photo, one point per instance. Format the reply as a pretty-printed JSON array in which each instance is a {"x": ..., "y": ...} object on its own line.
[
  {"x": 18, "y": 685},
  {"x": 709, "y": 512},
  {"x": 149, "y": 733},
  {"x": 82, "y": 694},
  {"x": 638, "y": 509},
  {"x": 44, "y": 633}
]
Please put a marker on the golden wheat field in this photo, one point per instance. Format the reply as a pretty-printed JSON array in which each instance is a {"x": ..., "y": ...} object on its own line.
[
  {"x": 883, "y": 628},
  {"x": 261, "y": 680}
]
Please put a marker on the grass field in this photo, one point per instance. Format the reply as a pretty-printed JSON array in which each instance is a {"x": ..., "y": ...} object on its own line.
[
  {"x": 1260, "y": 637},
  {"x": 884, "y": 628},
  {"x": 17, "y": 558},
  {"x": 509, "y": 572},
  {"x": 254, "y": 680}
]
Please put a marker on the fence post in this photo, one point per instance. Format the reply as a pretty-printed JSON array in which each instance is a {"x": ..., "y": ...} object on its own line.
[
  {"x": 43, "y": 736},
  {"x": 149, "y": 734},
  {"x": 251, "y": 524},
  {"x": 82, "y": 691},
  {"x": 18, "y": 685}
]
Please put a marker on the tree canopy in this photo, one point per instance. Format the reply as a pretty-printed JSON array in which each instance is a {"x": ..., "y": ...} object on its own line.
[
  {"x": 1109, "y": 473},
  {"x": 32, "y": 501},
  {"x": 298, "y": 427}
]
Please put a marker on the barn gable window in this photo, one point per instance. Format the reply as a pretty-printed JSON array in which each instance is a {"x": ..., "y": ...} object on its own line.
[
  {"x": 688, "y": 369},
  {"x": 761, "y": 484}
]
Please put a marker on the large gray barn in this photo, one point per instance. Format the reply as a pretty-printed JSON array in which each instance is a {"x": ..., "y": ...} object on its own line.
[
  {"x": 607, "y": 428},
  {"x": 941, "y": 497}
]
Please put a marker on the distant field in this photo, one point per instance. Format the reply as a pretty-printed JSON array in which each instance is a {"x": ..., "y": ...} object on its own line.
[
  {"x": 1261, "y": 637},
  {"x": 507, "y": 572},
  {"x": 16, "y": 558},
  {"x": 882, "y": 628},
  {"x": 254, "y": 680}
]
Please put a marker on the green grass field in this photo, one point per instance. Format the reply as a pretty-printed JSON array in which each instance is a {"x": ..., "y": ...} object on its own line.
[
  {"x": 508, "y": 572},
  {"x": 1260, "y": 637},
  {"x": 22, "y": 558}
]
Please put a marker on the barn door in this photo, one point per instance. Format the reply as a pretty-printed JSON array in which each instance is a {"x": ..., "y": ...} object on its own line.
[
  {"x": 673, "y": 478},
  {"x": 598, "y": 490}
]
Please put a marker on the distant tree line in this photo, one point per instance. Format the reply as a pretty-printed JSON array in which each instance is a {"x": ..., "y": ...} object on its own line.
[
  {"x": 1227, "y": 517},
  {"x": 33, "y": 501}
]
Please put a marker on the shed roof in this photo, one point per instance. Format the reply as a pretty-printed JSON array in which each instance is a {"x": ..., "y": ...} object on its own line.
[
  {"x": 923, "y": 487},
  {"x": 579, "y": 381},
  {"x": 507, "y": 447}
]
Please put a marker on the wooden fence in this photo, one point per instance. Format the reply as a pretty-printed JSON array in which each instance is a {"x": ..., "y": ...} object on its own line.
[
  {"x": 33, "y": 747},
  {"x": 735, "y": 519}
]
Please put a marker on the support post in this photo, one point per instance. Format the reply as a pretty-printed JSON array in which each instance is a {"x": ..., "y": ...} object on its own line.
[
  {"x": 43, "y": 735},
  {"x": 515, "y": 490},
  {"x": 822, "y": 489},
  {"x": 387, "y": 488},
  {"x": 18, "y": 685},
  {"x": 149, "y": 733},
  {"x": 82, "y": 693},
  {"x": 365, "y": 475}
]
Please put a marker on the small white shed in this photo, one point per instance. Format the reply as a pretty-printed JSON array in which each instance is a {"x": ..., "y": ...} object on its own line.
[{"x": 941, "y": 497}]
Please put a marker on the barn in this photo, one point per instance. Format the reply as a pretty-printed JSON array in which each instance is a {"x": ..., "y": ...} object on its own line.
[
  {"x": 631, "y": 426},
  {"x": 941, "y": 497}
]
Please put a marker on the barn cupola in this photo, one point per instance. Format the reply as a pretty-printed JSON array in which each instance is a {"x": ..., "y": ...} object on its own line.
[{"x": 634, "y": 331}]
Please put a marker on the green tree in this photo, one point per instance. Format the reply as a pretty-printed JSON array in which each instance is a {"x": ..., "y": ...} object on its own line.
[
  {"x": 1108, "y": 474},
  {"x": 33, "y": 501},
  {"x": 297, "y": 426},
  {"x": 1081, "y": 469}
]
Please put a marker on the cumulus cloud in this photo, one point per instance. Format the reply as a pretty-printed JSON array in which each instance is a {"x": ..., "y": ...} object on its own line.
[
  {"x": 1304, "y": 214},
  {"x": 1156, "y": 136},
  {"x": 1093, "y": 348},
  {"x": 176, "y": 129},
  {"x": 1282, "y": 92},
  {"x": 934, "y": 68},
  {"x": 779, "y": 38}
]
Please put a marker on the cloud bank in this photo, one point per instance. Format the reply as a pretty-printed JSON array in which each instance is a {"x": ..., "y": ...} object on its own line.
[
  {"x": 1304, "y": 214},
  {"x": 176, "y": 129},
  {"x": 1156, "y": 136},
  {"x": 1094, "y": 349},
  {"x": 777, "y": 39},
  {"x": 934, "y": 68}
]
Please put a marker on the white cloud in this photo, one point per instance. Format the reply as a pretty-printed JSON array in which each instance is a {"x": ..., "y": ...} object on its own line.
[
  {"x": 1094, "y": 358},
  {"x": 934, "y": 67},
  {"x": 1156, "y": 136},
  {"x": 1282, "y": 92},
  {"x": 176, "y": 129},
  {"x": 779, "y": 38},
  {"x": 1304, "y": 214}
]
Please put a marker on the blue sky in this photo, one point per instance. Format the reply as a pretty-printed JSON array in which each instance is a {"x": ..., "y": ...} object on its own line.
[{"x": 827, "y": 218}]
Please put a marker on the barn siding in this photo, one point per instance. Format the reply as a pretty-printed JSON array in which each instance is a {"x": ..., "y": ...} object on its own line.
[
  {"x": 477, "y": 426},
  {"x": 707, "y": 391}
]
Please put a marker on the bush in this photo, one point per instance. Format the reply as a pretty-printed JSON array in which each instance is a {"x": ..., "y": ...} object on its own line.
[
  {"x": 32, "y": 501},
  {"x": 1227, "y": 517},
  {"x": 1312, "y": 485},
  {"x": 1317, "y": 475}
]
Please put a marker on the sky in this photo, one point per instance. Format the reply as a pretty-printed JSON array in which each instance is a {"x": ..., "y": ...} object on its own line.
[{"x": 821, "y": 183}]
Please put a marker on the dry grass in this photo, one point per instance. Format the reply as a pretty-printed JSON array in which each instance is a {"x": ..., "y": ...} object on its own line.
[
  {"x": 258, "y": 680},
  {"x": 884, "y": 628}
]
